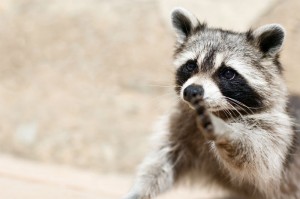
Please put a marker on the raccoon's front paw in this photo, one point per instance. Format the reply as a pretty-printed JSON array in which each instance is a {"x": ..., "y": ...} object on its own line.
[{"x": 203, "y": 118}]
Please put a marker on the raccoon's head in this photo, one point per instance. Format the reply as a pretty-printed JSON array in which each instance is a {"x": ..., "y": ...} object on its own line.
[{"x": 231, "y": 70}]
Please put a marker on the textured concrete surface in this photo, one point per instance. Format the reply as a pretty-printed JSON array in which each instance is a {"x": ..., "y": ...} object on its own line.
[{"x": 82, "y": 81}]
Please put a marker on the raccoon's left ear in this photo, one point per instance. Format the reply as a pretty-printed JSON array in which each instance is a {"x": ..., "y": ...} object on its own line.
[
  {"x": 184, "y": 23},
  {"x": 269, "y": 38}
]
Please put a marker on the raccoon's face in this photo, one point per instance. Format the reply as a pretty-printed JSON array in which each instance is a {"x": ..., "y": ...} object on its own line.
[{"x": 237, "y": 71}]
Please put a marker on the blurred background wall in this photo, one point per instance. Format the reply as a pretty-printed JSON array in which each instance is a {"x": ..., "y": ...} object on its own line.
[{"x": 83, "y": 81}]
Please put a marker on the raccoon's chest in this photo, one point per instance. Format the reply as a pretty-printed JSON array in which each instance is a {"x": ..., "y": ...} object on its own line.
[{"x": 190, "y": 150}]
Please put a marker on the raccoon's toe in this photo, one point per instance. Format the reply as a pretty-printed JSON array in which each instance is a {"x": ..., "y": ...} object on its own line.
[{"x": 204, "y": 122}]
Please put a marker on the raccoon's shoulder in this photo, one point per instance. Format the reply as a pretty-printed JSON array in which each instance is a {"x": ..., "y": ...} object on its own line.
[{"x": 293, "y": 109}]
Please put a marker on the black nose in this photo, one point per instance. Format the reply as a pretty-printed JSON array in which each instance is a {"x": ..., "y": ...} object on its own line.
[{"x": 192, "y": 91}]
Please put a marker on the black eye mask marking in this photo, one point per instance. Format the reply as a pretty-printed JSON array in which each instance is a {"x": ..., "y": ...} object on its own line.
[
  {"x": 235, "y": 86},
  {"x": 184, "y": 72}
]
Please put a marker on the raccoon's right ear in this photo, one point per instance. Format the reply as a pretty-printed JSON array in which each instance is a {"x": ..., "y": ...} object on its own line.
[
  {"x": 269, "y": 38},
  {"x": 184, "y": 23}
]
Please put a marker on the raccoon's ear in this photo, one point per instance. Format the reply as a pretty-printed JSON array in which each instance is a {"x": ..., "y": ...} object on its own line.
[
  {"x": 269, "y": 38},
  {"x": 184, "y": 23}
]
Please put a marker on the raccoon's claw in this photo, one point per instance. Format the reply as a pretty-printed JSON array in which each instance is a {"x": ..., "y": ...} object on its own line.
[{"x": 203, "y": 118}]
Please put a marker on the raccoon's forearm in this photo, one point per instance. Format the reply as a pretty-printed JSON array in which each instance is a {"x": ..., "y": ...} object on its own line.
[
  {"x": 155, "y": 176},
  {"x": 234, "y": 149},
  {"x": 249, "y": 153}
]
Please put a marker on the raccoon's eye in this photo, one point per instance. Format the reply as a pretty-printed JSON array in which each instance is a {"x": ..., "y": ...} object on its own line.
[
  {"x": 228, "y": 74},
  {"x": 190, "y": 66}
]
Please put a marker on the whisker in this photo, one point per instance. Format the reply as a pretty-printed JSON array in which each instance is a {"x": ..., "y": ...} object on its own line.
[
  {"x": 242, "y": 108},
  {"x": 242, "y": 104},
  {"x": 242, "y": 117}
]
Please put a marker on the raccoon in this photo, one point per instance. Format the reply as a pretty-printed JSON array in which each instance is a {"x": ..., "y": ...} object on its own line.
[{"x": 232, "y": 125}]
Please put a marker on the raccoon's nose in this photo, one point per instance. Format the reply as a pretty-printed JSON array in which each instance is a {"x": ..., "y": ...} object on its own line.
[{"x": 192, "y": 91}]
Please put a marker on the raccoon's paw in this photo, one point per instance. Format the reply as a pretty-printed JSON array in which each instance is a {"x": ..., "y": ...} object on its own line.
[{"x": 203, "y": 119}]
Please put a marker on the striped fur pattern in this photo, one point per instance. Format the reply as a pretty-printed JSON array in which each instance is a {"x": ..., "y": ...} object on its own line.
[{"x": 238, "y": 132}]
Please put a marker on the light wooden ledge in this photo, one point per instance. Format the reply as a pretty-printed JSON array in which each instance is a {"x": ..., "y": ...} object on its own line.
[{"x": 21, "y": 179}]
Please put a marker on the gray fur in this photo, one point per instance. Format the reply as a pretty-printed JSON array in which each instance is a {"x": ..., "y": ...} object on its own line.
[{"x": 254, "y": 153}]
